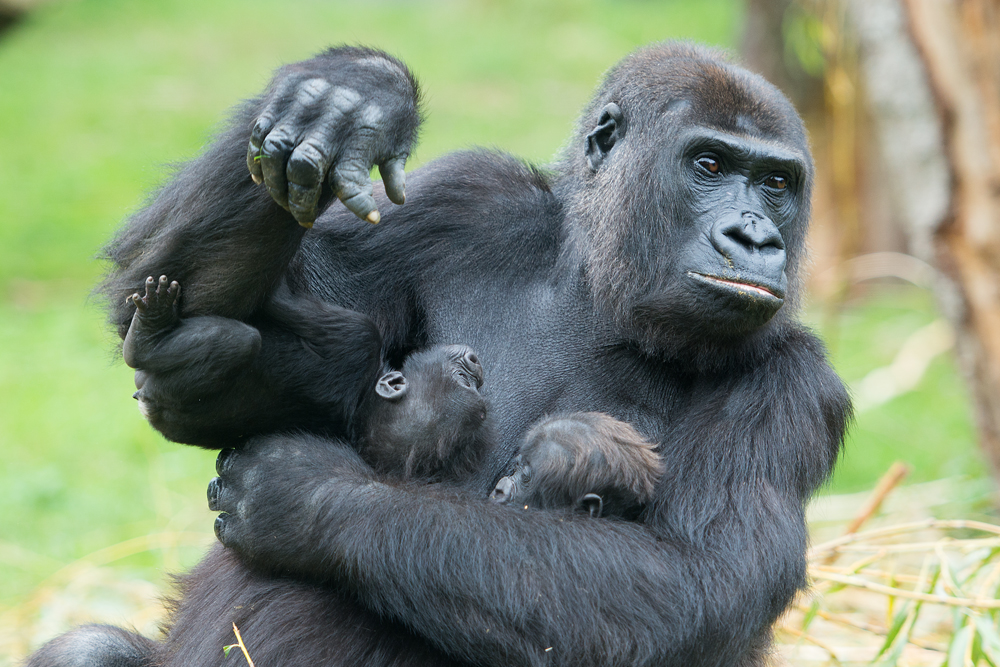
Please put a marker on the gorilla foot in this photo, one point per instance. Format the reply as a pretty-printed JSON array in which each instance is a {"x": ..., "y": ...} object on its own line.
[
  {"x": 157, "y": 309},
  {"x": 156, "y": 313}
]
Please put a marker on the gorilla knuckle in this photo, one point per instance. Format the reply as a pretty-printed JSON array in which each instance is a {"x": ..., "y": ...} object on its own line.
[
  {"x": 215, "y": 488},
  {"x": 278, "y": 142},
  {"x": 224, "y": 461},
  {"x": 344, "y": 99},
  {"x": 220, "y": 527},
  {"x": 312, "y": 90},
  {"x": 260, "y": 130}
]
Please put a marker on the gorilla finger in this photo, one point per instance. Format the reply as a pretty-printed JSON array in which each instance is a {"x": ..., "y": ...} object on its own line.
[
  {"x": 253, "y": 163},
  {"x": 277, "y": 146},
  {"x": 265, "y": 123},
  {"x": 137, "y": 301},
  {"x": 224, "y": 461},
  {"x": 306, "y": 169},
  {"x": 394, "y": 179},
  {"x": 276, "y": 149},
  {"x": 354, "y": 188}
]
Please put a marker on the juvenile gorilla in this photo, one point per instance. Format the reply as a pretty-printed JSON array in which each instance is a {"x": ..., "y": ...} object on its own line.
[
  {"x": 652, "y": 274},
  {"x": 427, "y": 421}
]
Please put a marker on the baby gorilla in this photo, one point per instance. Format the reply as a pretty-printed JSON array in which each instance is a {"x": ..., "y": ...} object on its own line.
[
  {"x": 427, "y": 421},
  {"x": 583, "y": 459}
]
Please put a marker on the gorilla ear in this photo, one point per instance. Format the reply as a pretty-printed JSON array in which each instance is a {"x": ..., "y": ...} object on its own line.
[
  {"x": 391, "y": 386},
  {"x": 593, "y": 503},
  {"x": 610, "y": 128}
]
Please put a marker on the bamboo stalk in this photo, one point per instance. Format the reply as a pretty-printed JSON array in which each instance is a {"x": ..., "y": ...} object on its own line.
[{"x": 860, "y": 582}]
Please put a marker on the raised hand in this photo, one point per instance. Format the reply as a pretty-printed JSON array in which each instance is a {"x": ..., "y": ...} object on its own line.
[{"x": 326, "y": 123}]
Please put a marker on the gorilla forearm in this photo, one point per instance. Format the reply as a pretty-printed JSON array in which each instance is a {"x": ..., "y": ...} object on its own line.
[
  {"x": 559, "y": 590},
  {"x": 212, "y": 229},
  {"x": 498, "y": 586}
]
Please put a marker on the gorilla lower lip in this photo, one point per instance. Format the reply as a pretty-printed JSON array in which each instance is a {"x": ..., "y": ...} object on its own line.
[{"x": 747, "y": 287}]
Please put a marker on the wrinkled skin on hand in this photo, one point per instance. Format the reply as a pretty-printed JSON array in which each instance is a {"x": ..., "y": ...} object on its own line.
[{"x": 322, "y": 130}]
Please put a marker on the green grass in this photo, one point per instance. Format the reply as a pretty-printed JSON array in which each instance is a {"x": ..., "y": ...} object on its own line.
[
  {"x": 96, "y": 97},
  {"x": 931, "y": 428}
]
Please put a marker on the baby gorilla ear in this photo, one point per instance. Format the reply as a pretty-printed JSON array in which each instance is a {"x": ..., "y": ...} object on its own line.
[
  {"x": 591, "y": 502},
  {"x": 391, "y": 386}
]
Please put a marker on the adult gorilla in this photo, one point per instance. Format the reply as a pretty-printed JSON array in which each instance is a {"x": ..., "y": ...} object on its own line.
[{"x": 651, "y": 275}]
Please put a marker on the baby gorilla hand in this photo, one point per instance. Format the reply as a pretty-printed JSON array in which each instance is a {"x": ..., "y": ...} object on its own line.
[{"x": 279, "y": 499}]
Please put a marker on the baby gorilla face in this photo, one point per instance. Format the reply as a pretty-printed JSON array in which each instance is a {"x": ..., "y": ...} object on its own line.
[{"x": 430, "y": 420}]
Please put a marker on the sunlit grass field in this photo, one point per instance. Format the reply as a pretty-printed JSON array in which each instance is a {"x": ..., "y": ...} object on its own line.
[{"x": 98, "y": 98}]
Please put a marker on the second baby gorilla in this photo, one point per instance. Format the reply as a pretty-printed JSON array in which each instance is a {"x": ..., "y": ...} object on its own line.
[{"x": 427, "y": 422}]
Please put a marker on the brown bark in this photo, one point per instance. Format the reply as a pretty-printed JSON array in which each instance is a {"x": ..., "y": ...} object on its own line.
[{"x": 959, "y": 43}]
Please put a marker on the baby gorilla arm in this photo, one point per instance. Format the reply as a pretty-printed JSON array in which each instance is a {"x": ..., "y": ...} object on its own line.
[{"x": 210, "y": 381}]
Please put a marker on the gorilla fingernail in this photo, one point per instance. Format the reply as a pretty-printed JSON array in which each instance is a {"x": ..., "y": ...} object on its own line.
[
  {"x": 373, "y": 217},
  {"x": 219, "y": 521}
]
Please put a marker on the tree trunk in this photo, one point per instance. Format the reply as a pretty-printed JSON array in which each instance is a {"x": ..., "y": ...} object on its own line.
[
  {"x": 918, "y": 153},
  {"x": 959, "y": 44}
]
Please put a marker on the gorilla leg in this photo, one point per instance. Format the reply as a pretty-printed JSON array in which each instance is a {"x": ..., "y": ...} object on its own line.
[{"x": 95, "y": 646}]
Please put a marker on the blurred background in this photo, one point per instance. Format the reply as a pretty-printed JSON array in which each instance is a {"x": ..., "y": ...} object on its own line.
[{"x": 99, "y": 97}]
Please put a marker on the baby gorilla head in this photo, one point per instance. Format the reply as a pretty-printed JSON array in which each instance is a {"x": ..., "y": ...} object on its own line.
[
  {"x": 583, "y": 459},
  {"x": 429, "y": 420}
]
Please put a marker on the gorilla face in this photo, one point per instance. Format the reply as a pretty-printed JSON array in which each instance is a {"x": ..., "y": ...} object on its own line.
[
  {"x": 736, "y": 198},
  {"x": 694, "y": 209},
  {"x": 430, "y": 417}
]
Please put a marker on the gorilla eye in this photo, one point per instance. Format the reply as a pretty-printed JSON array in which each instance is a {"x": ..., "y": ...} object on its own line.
[
  {"x": 776, "y": 182},
  {"x": 709, "y": 164}
]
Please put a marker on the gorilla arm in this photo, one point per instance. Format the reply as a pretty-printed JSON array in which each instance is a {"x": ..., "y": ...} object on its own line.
[
  {"x": 499, "y": 586},
  {"x": 719, "y": 556},
  {"x": 226, "y": 238}
]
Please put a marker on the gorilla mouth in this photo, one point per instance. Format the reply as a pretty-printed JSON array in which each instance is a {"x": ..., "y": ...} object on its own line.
[{"x": 751, "y": 288}]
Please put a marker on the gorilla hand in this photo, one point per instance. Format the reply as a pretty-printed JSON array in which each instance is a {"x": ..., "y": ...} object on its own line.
[
  {"x": 325, "y": 123},
  {"x": 278, "y": 498}
]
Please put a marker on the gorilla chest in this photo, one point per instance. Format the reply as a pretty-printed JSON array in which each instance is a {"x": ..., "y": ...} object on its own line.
[{"x": 542, "y": 356}]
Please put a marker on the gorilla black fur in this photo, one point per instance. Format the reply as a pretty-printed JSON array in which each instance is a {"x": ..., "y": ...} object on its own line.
[{"x": 652, "y": 275}]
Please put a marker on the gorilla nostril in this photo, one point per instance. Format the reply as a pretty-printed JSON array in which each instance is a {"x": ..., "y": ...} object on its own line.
[
  {"x": 471, "y": 356},
  {"x": 502, "y": 492},
  {"x": 753, "y": 233}
]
